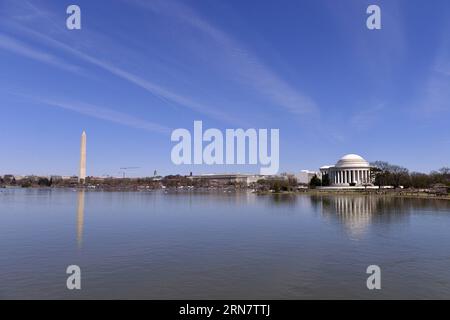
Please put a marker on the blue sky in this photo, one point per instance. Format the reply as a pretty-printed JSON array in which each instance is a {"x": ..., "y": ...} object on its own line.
[{"x": 139, "y": 69}]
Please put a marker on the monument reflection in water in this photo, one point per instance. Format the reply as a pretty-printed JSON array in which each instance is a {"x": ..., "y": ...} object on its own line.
[{"x": 80, "y": 217}]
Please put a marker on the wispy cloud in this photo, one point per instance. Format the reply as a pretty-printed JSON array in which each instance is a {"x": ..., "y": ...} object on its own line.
[
  {"x": 435, "y": 98},
  {"x": 139, "y": 81},
  {"x": 165, "y": 94},
  {"x": 18, "y": 47},
  {"x": 251, "y": 70},
  {"x": 366, "y": 118},
  {"x": 106, "y": 114},
  {"x": 390, "y": 43},
  {"x": 437, "y": 95}
]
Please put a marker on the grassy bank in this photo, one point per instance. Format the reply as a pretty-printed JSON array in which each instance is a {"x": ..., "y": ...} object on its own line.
[{"x": 401, "y": 194}]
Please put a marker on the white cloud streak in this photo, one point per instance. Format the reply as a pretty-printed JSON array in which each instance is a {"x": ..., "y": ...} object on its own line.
[
  {"x": 366, "y": 118},
  {"x": 159, "y": 91},
  {"x": 251, "y": 70},
  {"x": 435, "y": 98},
  {"x": 106, "y": 114},
  {"x": 30, "y": 12},
  {"x": 18, "y": 47}
]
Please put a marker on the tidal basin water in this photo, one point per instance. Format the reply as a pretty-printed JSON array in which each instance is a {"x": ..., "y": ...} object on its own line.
[{"x": 156, "y": 245}]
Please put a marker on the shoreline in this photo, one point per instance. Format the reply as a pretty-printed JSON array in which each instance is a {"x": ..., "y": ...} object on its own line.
[
  {"x": 315, "y": 192},
  {"x": 396, "y": 194}
]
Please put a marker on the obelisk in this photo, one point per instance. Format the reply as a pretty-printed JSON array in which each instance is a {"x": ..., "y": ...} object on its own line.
[{"x": 82, "y": 176}]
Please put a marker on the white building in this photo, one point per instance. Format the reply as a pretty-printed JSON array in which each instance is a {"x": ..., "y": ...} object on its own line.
[
  {"x": 350, "y": 170},
  {"x": 305, "y": 176}
]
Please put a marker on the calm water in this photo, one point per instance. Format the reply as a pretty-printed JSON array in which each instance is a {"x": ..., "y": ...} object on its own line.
[{"x": 219, "y": 245}]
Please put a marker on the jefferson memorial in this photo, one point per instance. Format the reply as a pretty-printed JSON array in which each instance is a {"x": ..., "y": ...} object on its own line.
[{"x": 350, "y": 170}]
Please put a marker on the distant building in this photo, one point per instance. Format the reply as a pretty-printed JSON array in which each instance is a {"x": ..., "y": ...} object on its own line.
[
  {"x": 70, "y": 179},
  {"x": 305, "y": 176},
  {"x": 8, "y": 178},
  {"x": 224, "y": 179},
  {"x": 32, "y": 178},
  {"x": 55, "y": 179},
  {"x": 284, "y": 177}
]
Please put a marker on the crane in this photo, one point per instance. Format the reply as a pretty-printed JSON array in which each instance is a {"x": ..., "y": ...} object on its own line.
[{"x": 126, "y": 168}]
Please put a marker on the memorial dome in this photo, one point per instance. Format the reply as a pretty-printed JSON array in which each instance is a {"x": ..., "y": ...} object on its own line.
[{"x": 352, "y": 160}]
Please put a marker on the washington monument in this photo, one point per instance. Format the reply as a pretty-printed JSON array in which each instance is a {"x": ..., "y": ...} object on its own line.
[{"x": 82, "y": 175}]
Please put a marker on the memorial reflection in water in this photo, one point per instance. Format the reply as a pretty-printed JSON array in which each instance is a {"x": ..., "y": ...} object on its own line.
[{"x": 358, "y": 212}]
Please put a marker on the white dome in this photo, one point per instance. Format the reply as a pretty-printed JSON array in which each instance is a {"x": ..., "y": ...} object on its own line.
[{"x": 352, "y": 160}]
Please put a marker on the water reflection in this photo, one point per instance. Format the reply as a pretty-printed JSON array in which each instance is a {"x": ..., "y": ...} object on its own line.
[
  {"x": 287, "y": 200},
  {"x": 357, "y": 213},
  {"x": 80, "y": 217}
]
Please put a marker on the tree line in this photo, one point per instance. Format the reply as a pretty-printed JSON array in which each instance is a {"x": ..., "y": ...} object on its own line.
[{"x": 386, "y": 174}]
